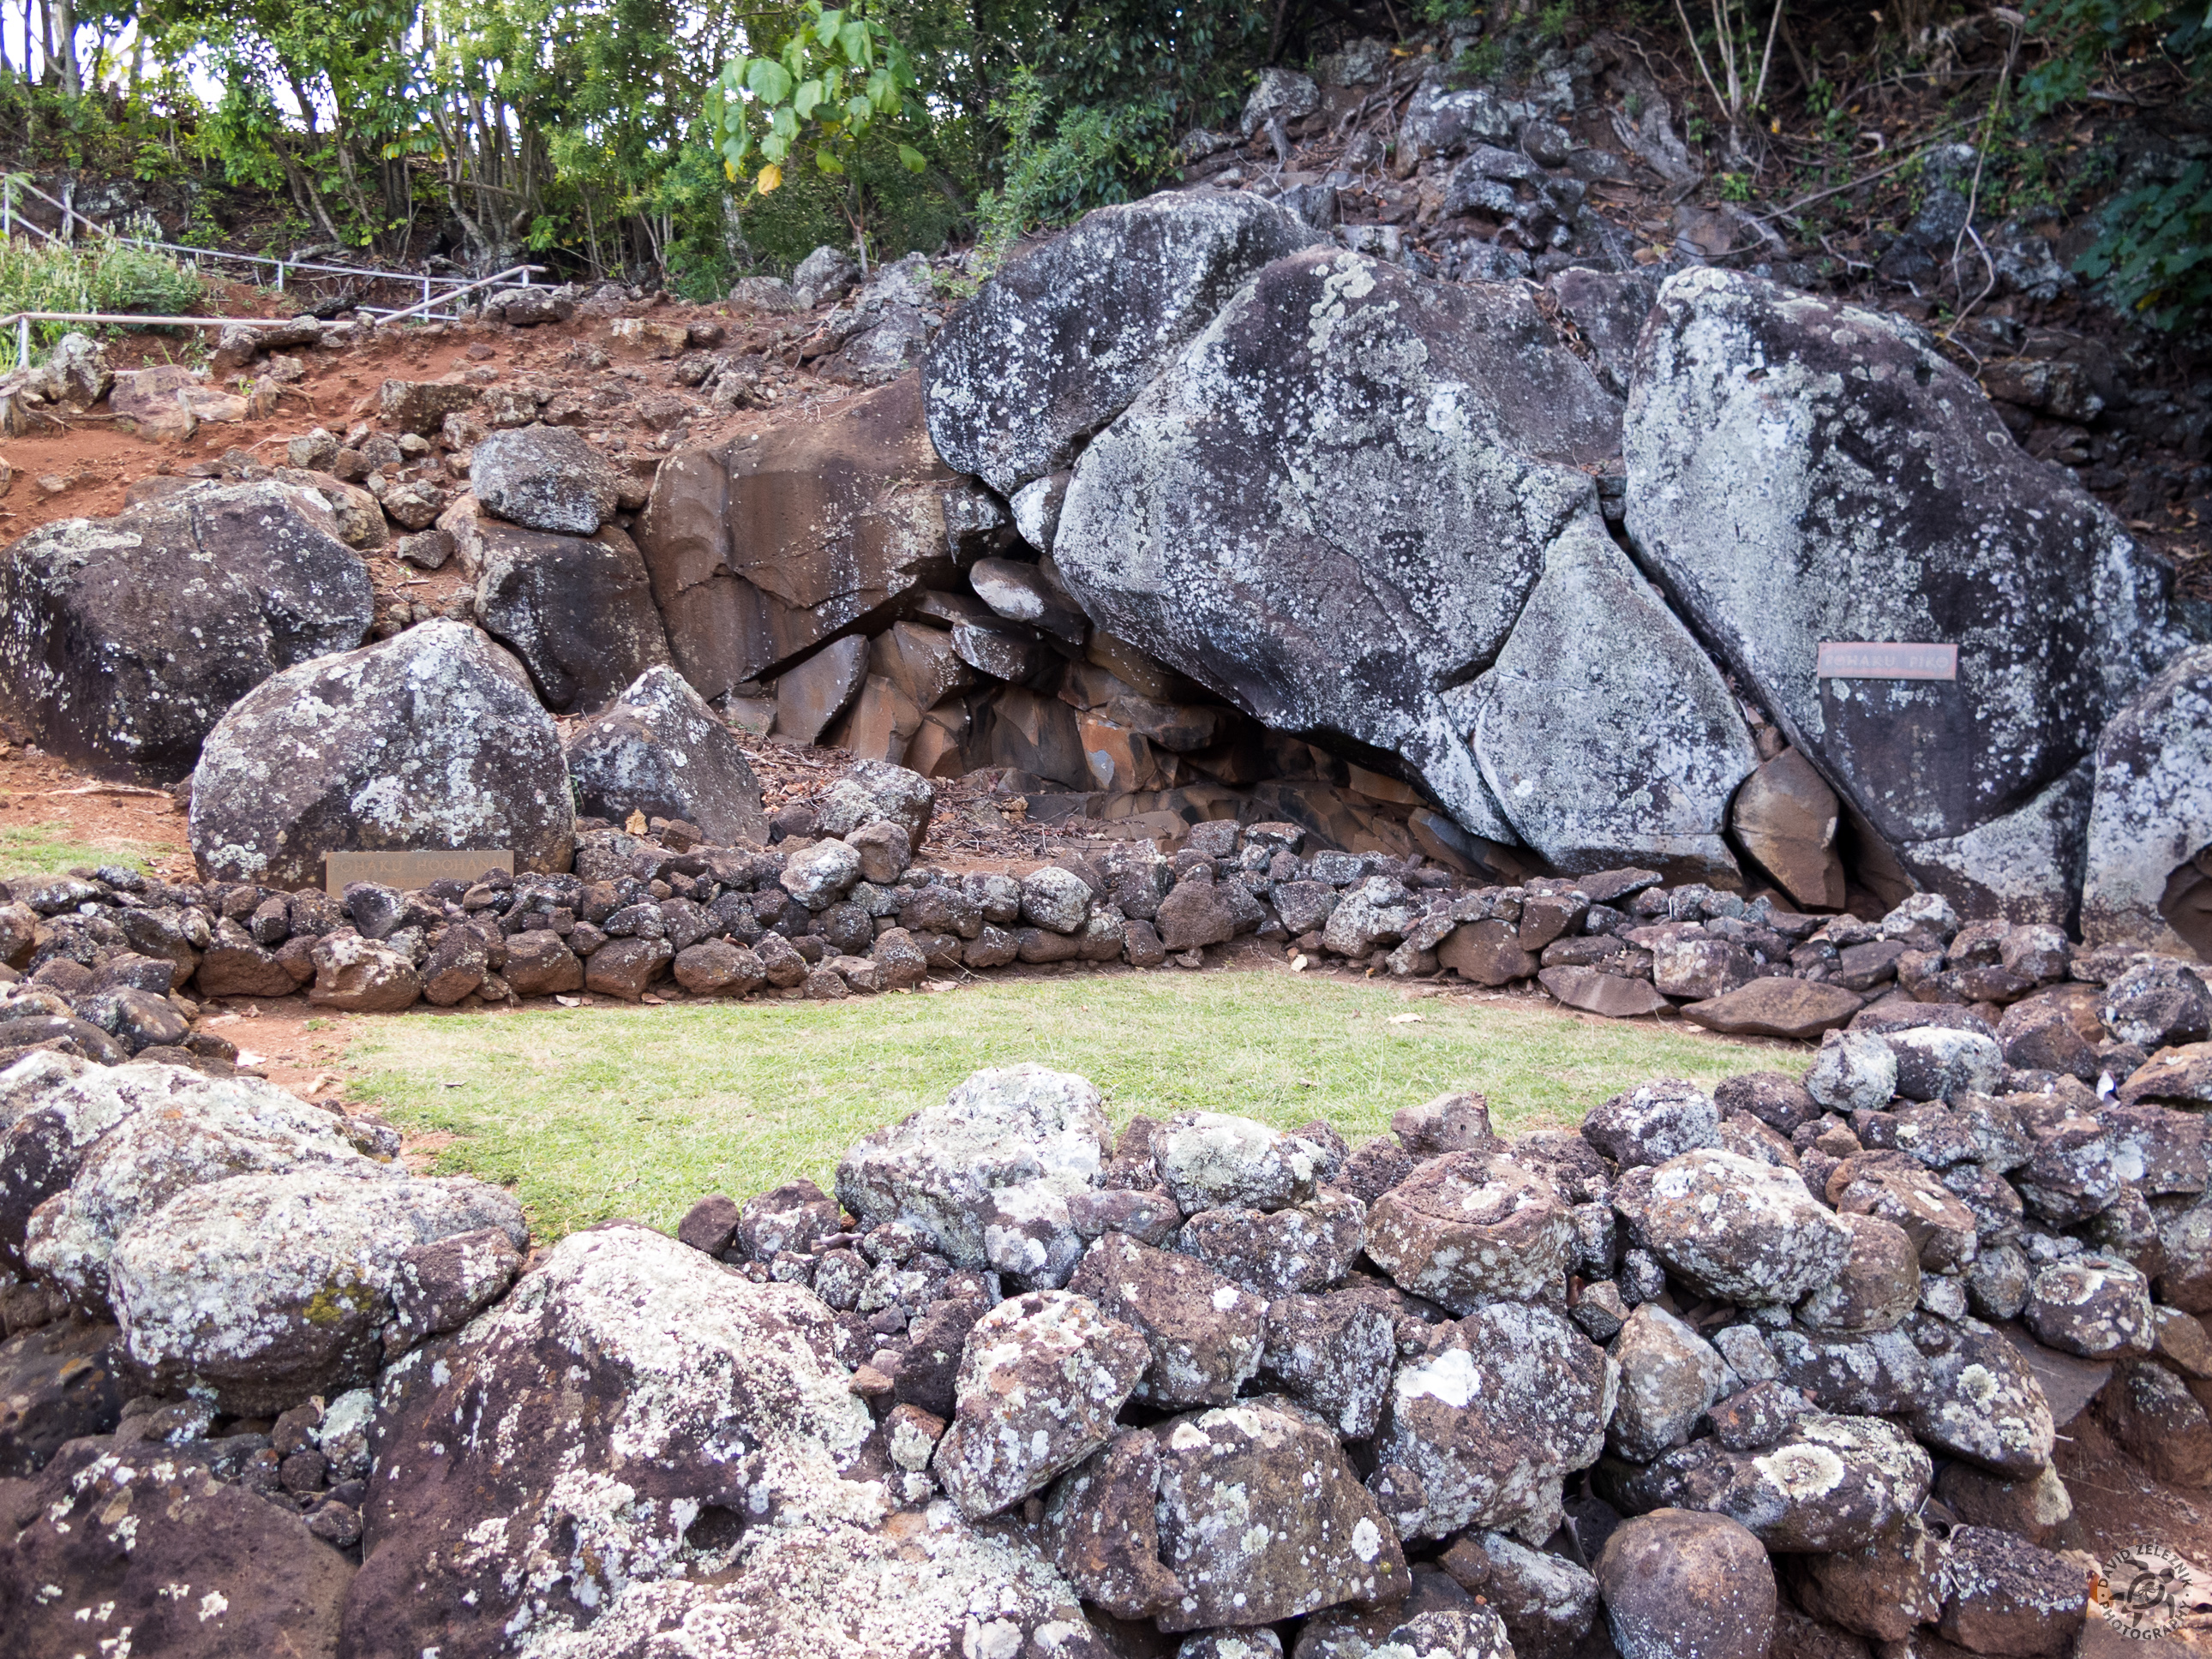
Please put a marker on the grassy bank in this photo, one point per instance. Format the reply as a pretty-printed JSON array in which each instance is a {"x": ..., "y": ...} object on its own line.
[{"x": 596, "y": 1112}]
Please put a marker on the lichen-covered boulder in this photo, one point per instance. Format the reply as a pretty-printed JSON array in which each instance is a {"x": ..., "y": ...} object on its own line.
[
  {"x": 1262, "y": 1517},
  {"x": 1060, "y": 342},
  {"x": 205, "y": 1129},
  {"x": 989, "y": 1171},
  {"x": 1741, "y": 1230},
  {"x": 124, "y": 639},
  {"x": 260, "y": 1290},
  {"x": 659, "y": 749},
  {"x": 2150, "y": 814},
  {"x": 1982, "y": 1402},
  {"x": 1803, "y": 471},
  {"x": 1594, "y": 655},
  {"x": 544, "y": 478},
  {"x": 1669, "y": 1376},
  {"x": 1469, "y": 1227},
  {"x": 1547, "y": 1394},
  {"x": 429, "y": 740},
  {"x": 1653, "y": 1122},
  {"x": 1831, "y": 1483},
  {"x": 2096, "y": 1306},
  {"x": 1337, "y": 498},
  {"x": 1211, "y": 1160},
  {"x": 1040, "y": 1381},
  {"x": 1306, "y": 1247},
  {"x": 1877, "y": 1286},
  {"x": 54, "y": 1108},
  {"x": 143, "y": 1548},
  {"x": 577, "y": 612},
  {"x": 1102, "y": 1528},
  {"x": 1332, "y": 1354},
  {"x": 1206, "y": 1334},
  {"x": 639, "y": 1442}
]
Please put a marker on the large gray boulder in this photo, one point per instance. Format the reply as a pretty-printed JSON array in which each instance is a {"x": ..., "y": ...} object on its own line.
[
  {"x": 1801, "y": 471},
  {"x": 988, "y": 1173},
  {"x": 260, "y": 1290},
  {"x": 660, "y": 750},
  {"x": 204, "y": 1129},
  {"x": 431, "y": 739},
  {"x": 544, "y": 478},
  {"x": 1603, "y": 730},
  {"x": 579, "y": 612},
  {"x": 124, "y": 639},
  {"x": 1060, "y": 342},
  {"x": 2150, "y": 817},
  {"x": 1337, "y": 500}
]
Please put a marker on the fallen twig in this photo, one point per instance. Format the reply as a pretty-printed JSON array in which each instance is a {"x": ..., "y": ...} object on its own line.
[{"x": 111, "y": 789}]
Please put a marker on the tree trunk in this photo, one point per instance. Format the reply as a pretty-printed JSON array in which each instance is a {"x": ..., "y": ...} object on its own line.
[{"x": 66, "y": 27}]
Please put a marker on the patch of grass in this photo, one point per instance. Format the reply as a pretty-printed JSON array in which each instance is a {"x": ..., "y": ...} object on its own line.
[
  {"x": 600, "y": 1112},
  {"x": 43, "y": 849},
  {"x": 96, "y": 276}
]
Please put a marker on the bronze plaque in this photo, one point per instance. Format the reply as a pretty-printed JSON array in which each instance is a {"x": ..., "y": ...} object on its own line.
[
  {"x": 1869, "y": 659},
  {"x": 408, "y": 870}
]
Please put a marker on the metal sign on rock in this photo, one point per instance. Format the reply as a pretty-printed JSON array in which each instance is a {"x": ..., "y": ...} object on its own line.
[
  {"x": 409, "y": 870},
  {"x": 1871, "y": 659}
]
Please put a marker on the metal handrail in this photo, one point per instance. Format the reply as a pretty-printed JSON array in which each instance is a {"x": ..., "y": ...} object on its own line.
[
  {"x": 9, "y": 219},
  {"x": 455, "y": 293}
]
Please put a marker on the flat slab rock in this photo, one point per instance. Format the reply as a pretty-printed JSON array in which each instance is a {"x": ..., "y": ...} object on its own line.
[{"x": 1795, "y": 1008}]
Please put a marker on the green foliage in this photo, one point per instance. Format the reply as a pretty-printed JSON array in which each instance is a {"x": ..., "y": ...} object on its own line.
[
  {"x": 837, "y": 73},
  {"x": 2155, "y": 254},
  {"x": 1090, "y": 157},
  {"x": 91, "y": 276}
]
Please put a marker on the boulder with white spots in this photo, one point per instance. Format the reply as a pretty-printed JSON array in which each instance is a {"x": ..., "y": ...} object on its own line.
[
  {"x": 1210, "y": 1160},
  {"x": 1024, "y": 1136},
  {"x": 1831, "y": 1483},
  {"x": 1206, "y": 1334},
  {"x": 1261, "y": 1516},
  {"x": 2096, "y": 1306},
  {"x": 1335, "y": 501},
  {"x": 1040, "y": 1381},
  {"x": 695, "y": 1482},
  {"x": 205, "y": 1129},
  {"x": 123, "y": 641},
  {"x": 1741, "y": 1230},
  {"x": 260, "y": 1290},
  {"x": 1669, "y": 1376},
  {"x": 660, "y": 750},
  {"x": 1547, "y": 1395},
  {"x": 1802, "y": 470},
  {"x": 432, "y": 739},
  {"x": 1468, "y": 1229}
]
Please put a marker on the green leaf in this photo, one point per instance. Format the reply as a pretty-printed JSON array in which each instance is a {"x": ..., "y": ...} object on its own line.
[
  {"x": 912, "y": 159},
  {"x": 855, "y": 41},
  {"x": 806, "y": 97},
  {"x": 769, "y": 81},
  {"x": 858, "y": 109},
  {"x": 775, "y": 147},
  {"x": 784, "y": 125},
  {"x": 826, "y": 30},
  {"x": 828, "y": 162}
]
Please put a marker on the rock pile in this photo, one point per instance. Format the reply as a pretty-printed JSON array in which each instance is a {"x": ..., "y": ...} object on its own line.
[
  {"x": 832, "y": 901},
  {"x": 1721, "y": 1370}
]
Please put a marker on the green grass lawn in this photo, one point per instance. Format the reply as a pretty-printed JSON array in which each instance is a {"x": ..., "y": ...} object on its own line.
[
  {"x": 40, "y": 849},
  {"x": 597, "y": 1112}
]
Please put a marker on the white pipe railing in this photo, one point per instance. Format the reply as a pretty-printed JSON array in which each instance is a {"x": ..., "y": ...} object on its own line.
[
  {"x": 524, "y": 271},
  {"x": 11, "y": 221}
]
